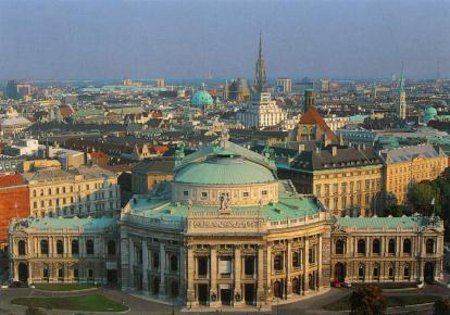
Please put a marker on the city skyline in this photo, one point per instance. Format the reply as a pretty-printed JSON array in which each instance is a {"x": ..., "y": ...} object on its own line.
[{"x": 196, "y": 39}]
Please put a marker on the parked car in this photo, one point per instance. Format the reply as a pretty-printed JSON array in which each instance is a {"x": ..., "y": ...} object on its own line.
[
  {"x": 336, "y": 284},
  {"x": 346, "y": 284}
]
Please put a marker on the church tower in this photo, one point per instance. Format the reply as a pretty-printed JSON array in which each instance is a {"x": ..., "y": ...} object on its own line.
[
  {"x": 260, "y": 71},
  {"x": 401, "y": 106}
]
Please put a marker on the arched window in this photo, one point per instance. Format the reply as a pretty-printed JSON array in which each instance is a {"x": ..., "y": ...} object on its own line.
[
  {"x": 45, "y": 272},
  {"x": 75, "y": 247},
  {"x": 407, "y": 246},
  {"x": 340, "y": 247},
  {"x": 44, "y": 247},
  {"x": 174, "y": 289},
  {"x": 22, "y": 247},
  {"x": 430, "y": 246},
  {"x": 361, "y": 272},
  {"x": 376, "y": 271},
  {"x": 155, "y": 260},
  {"x": 59, "y": 247},
  {"x": 90, "y": 247},
  {"x": 111, "y": 248},
  {"x": 278, "y": 262},
  {"x": 391, "y": 272},
  {"x": 406, "y": 271},
  {"x": 376, "y": 246},
  {"x": 174, "y": 263},
  {"x": 391, "y": 246},
  {"x": 296, "y": 259},
  {"x": 361, "y": 247}
]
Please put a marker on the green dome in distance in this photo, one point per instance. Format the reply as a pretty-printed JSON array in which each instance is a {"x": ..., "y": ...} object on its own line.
[
  {"x": 202, "y": 98},
  {"x": 430, "y": 114}
]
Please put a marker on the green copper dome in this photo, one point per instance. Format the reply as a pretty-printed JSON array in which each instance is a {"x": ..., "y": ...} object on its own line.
[
  {"x": 430, "y": 114},
  {"x": 224, "y": 170},
  {"x": 201, "y": 99}
]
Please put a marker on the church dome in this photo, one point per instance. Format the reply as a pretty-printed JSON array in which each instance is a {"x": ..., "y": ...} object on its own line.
[
  {"x": 430, "y": 114},
  {"x": 224, "y": 169},
  {"x": 201, "y": 99}
]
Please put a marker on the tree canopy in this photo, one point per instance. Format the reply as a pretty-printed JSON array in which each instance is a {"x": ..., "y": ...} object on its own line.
[{"x": 368, "y": 300}]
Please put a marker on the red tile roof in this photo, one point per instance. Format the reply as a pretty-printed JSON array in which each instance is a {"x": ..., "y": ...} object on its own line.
[
  {"x": 313, "y": 117},
  {"x": 11, "y": 180}
]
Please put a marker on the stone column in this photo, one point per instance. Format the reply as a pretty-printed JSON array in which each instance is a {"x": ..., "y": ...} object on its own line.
[
  {"x": 319, "y": 262},
  {"x": 145, "y": 267},
  {"x": 213, "y": 276},
  {"x": 260, "y": 296},
  {"x": 190, "y": 294},
  {"x": 182, "y": 272},
  {"x": 306, "y": 267},
  {"x": 237, "y": 274},
  {"x": 131, "y": 265},
  {"x": 125, "y": 260},
  {"x": 162, "y": 269},
  {"x": 288, "y": 260},
  {"x": 269, "y": 264}
]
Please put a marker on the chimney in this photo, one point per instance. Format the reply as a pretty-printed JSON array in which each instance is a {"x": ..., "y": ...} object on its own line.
[{"x": 334, "y": 150}]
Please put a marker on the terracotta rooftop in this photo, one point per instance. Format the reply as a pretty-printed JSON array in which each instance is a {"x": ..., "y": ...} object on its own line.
[
  {"x": 313, "y": 117},
  {"x": 11, "y": 180}
]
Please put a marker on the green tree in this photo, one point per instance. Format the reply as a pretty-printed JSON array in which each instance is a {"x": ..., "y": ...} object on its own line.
[
  {"x": 368, "y": 300},
  {"x": 422, "y": 195},
  {"x": 442, "y": 307},
  {"x": 34, "y": 311},
  {"x": 395, "y": 210}
]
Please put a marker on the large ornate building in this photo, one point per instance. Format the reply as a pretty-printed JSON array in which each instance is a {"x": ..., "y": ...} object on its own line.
[{"x": 226, "y": 232}]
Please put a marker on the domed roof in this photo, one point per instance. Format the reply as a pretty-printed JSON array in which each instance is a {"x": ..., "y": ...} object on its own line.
[
  {"x": 431, "y": 111},
  {"x": 201, "y": 98},
  {"x": 224, "y": 169}
]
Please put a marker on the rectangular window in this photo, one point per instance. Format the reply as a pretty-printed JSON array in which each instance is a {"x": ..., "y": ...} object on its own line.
[
  {"x": 264, "y": 193},
  {"x": 245, "y": 194},
  {"x": 204, "y": 195},
  {"x": 185, "y": 193}
]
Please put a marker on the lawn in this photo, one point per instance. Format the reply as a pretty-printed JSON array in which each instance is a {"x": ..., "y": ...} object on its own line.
[
  {"x": 89, "y": 302},
  {"x": 343, "y": 304},
  {"x": 64, "y": 286}
]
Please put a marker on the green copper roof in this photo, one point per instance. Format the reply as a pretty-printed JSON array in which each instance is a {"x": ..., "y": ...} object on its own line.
[
  {"x": 288, "y": 207},
  {"x": 224, "y": 170},
  {"x": 201, "y": 98},
  {"x": 404, "y": 222},
  {"x": 60, "y": 223}
]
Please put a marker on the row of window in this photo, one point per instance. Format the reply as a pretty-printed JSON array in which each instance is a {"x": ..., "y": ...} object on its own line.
[
  {"x": 376, "y": 246},
  {"x": 60, "y": 250},
  {"x": 65, "y": 189},
  {"x": 156, "y": 259},
  {"x": 374, "y": 184},
  {"x": 204, "y": 194},
  {"x": 46, "y": 273},
  {"x": 278, "y": 260}
]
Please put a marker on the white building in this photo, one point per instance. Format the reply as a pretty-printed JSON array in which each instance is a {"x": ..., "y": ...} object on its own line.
[{"x": 261, "y": 112}]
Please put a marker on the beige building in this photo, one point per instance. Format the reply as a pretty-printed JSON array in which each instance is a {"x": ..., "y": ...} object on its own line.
[
  {"x": 224, "y": 233},
  {"x": 388, "y": 249},
  {"x": 407, "y": 165},
  {"x": 82, "y": 250},
  {"x": 147, "y": 174},
  {"x": 83, "y": 191},
  {"x": 348, "y": 181}
]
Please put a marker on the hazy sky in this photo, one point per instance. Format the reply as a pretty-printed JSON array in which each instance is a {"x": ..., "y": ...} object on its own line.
[{"x": 43, "y": 39}]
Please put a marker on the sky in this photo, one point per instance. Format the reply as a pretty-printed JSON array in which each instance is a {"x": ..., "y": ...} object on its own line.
[{"x": 109, "y": 39}]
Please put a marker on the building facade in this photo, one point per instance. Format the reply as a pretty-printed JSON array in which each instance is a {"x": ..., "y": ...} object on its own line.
[
  {"x": 14, "y": 202},
  {"x": 83, "y": 191},
  {"x": 389, "y": 249},
  {"x": 348, "y": 181},
  {"x": 408, "y": 165},
  {"x": 81, "y": 250},
  {"x": 225, "y": 232}
]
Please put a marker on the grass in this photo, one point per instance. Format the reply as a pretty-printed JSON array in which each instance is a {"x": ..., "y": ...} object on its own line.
[
  {"x": 391, "y": 285},
  {"x": 89, "y": 302},
  {"x": 63, "y": 286},
  {"x": 343, "y": 304}
]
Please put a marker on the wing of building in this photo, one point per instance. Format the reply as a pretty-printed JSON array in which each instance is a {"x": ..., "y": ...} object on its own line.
[{"x": 226, "y": 232}]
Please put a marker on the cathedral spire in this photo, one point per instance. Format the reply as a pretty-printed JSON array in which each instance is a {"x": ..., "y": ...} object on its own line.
[{"x": 260, "y": 72}]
